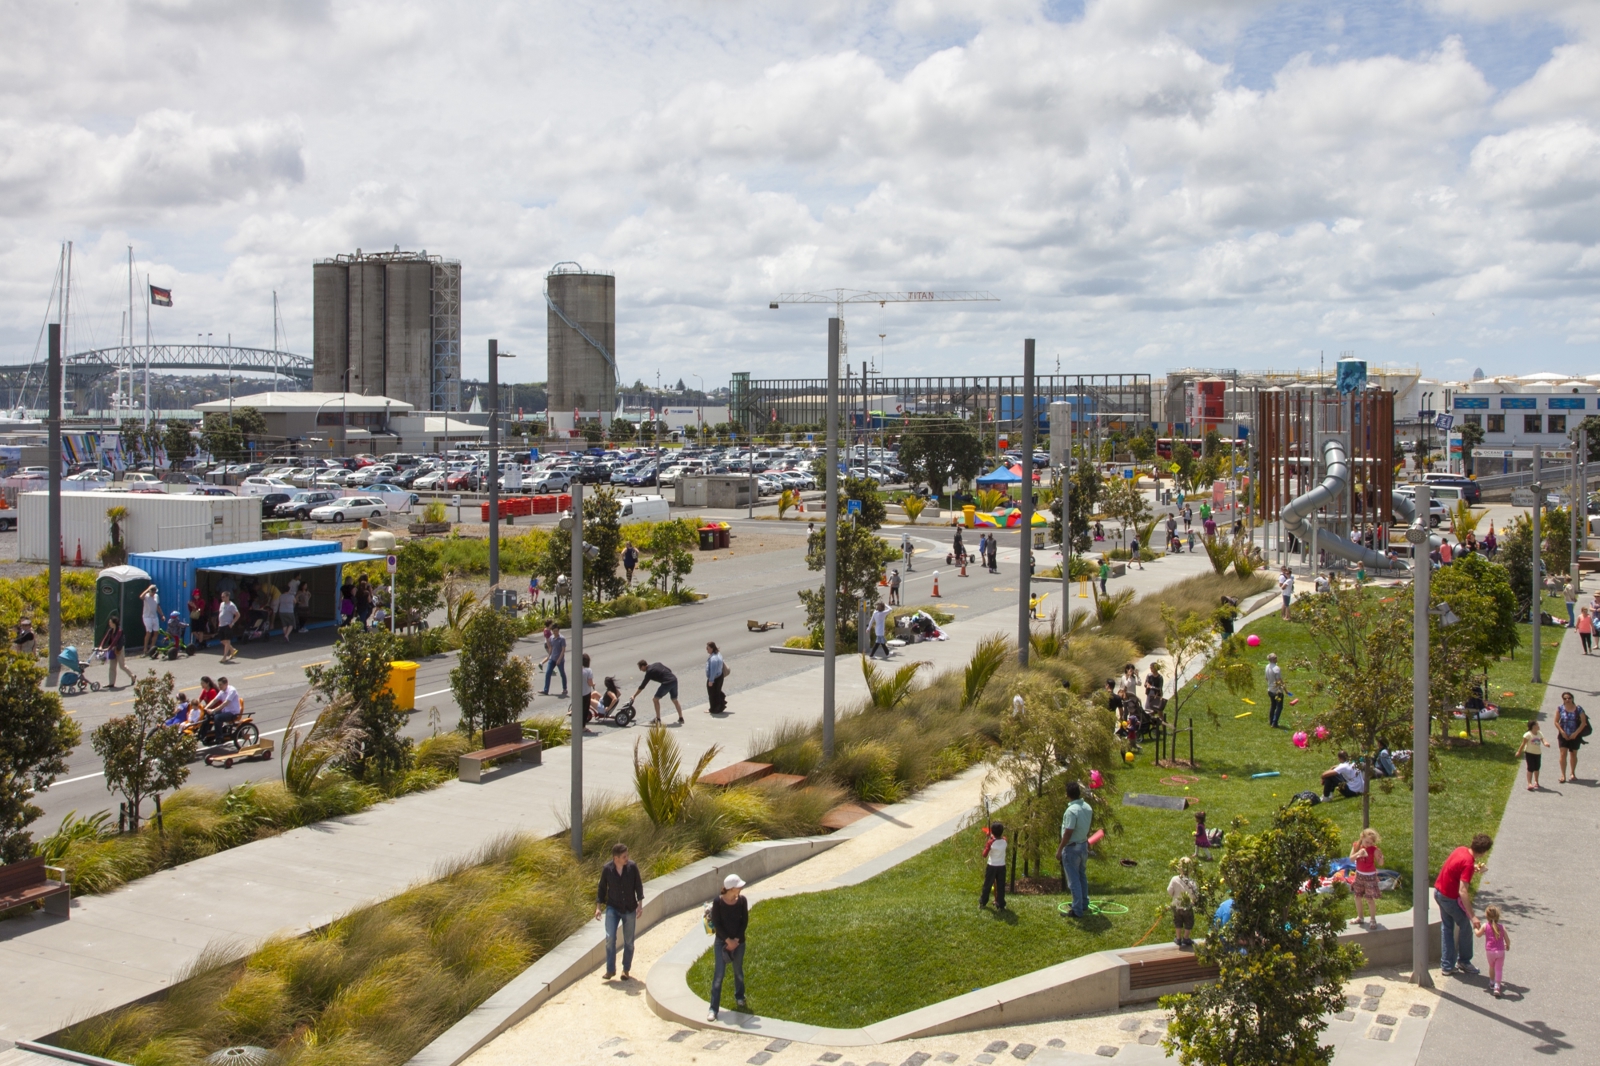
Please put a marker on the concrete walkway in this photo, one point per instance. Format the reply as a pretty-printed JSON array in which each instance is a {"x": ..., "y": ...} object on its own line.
[
  {"x": 131, "y": 943},
  {"x": 1540, "y": 874}
]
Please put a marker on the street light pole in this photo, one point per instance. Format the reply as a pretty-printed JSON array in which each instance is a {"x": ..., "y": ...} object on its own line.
[
  {"x": 494, "y": 461},
  {"x": 579, "y": 696},
  {"x": 1421, "y": 570},
  {"x": 53, "y": 521},
  {"x": 1536, "y": 611},
  {"x": 1025, "y": 565},
  {"x": 830, "y": 525}
]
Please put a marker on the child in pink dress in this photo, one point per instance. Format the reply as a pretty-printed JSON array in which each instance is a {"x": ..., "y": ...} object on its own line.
[{"x": 1496, "y": 942}]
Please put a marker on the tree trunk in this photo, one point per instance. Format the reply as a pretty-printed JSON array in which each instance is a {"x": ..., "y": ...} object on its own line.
[{"x": 1366, "y": 796}]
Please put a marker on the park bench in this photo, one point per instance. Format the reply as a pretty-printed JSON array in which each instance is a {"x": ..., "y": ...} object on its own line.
[
  {"x": 30, "y": 881},
  {"x": 501, "y": 742},
  {"x": 1161, "y": 967}
]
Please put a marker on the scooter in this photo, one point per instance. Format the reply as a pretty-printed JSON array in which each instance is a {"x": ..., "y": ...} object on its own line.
[{"x": 72, "y": 679}]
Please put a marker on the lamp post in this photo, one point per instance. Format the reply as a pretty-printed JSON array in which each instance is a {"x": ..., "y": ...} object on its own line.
[
  {"x": 579, "y": 696},
  {"x": 1421, "y": 565},
  {"x": 830, "y": 590},
  {"x": 495, "y": 355},
  {"x": 53, "y": 520},
  {"x": 1536, "y": 610},
  {"x": 1025, "y": 564}
]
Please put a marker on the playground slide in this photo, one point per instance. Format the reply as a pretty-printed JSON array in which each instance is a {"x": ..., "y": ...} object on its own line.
[{"x": 1297, "y": 512}]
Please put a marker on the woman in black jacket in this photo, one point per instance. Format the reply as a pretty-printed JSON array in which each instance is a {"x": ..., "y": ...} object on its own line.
[{"x": 730, "y": 916}]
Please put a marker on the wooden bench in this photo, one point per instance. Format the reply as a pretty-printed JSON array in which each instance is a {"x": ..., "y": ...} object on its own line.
[
  {"x": 30, "y": 881},
  {"x": 1160, "y": 967},
  {"x": 740, "y": 773},
  {"x": 501, "y": 742}
]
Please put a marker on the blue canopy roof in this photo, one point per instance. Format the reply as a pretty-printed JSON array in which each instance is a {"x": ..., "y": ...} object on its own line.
[
  {"x": 1000, "y": 475},
  {"x": 291, "y": 562}
]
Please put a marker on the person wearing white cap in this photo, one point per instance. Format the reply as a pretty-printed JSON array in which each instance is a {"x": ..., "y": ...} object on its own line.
[{"x": 730, "y": 916}]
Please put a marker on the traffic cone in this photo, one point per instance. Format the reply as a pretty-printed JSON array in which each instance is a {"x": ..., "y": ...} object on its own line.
[
  {"x": 936, "y": 593},
  {"x": 78, "y": 559},
  {"x": 963, "y": 564},
  {"x": 883, "y": 579}
]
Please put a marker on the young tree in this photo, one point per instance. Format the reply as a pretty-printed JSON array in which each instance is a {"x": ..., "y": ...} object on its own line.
[
  {"x": 418, "y": 578},
  {"x": 1058, "y": 737},
  {"x": 671, "y": 554},
  {"x": 1281, "y": 968},
  {"x": 222, "y": 438},
  {"x": 178, "y": 439},
  {"x": 913, "y": 505},
  {"x": 1516, "y": 557},
  {"x": 602, "y": 529},
  {"x": 1472, "y": 436},
  {"x": 941, "y": 450},
  {"x": 865, "y": 490},
  {"x": 1125, "y": 503},
  {"x": 1479, "y": 593},
  {"x": 36, "y": 736},
  {"x": 142, "y": 754},
  {"x": 861, "y": 558},
  {"x": 622, "y": 429},
  {"x": 491, "y": 685},
  {"x": 1188, "y": 641},
  {"x": 359, "y": 672}
]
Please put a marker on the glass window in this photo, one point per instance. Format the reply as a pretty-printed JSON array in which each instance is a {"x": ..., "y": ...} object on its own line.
[
  {"x": 1497, "y": 424},
  {"x": 1474, "y": 420},
  {"x": 1532, "y": 423},
  {"x": 1556, "y": 424}
]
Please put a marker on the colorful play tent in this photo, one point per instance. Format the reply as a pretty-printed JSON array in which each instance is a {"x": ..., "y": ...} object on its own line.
[
  {"x": 1007, "y": 519},
  {"x": 1000, "y": 476}
]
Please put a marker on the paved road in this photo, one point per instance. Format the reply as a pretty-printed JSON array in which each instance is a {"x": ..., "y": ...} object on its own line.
[
  {"x": 1540, "y": 874},
  {"x": 761, "y": 585}
]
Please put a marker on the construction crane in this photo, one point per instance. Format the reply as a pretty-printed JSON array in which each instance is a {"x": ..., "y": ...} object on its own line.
[{"x": 840, "y": 297}]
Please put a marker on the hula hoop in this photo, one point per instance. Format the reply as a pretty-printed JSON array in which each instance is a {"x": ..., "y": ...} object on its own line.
[
  {"x": 1179, "y": 779},
  {"x": 1095, "y": 907}
]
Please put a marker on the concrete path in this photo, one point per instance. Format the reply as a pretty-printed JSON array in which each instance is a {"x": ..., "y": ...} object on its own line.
[{"x": 1540, "y": 874}]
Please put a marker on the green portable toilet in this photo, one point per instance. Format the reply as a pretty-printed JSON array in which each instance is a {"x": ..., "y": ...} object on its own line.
[{"x": 116, "y": 592}]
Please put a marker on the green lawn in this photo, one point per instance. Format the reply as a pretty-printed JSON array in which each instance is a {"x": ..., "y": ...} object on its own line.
[{"x": 914, "y": 935}]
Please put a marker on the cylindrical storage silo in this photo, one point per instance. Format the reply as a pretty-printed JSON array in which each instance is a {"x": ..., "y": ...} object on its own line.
[
  {"x": 330, "y": 345},
  {"x": 367, "y": 321},
  {"x": 408, "y": 332},
  {"x": 581, "y": 330}
]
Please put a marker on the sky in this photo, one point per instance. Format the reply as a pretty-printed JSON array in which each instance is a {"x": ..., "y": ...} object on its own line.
[{"x": 1143, "y": 184}]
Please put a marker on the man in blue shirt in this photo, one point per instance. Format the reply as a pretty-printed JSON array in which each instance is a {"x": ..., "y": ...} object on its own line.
[{"x": 1074, "y": 853}]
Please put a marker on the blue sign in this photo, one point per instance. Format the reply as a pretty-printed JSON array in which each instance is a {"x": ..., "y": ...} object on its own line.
[
  {"x": 1472, "y": 403},
  {"x": 1444, "y": 421},
  {"x": 1567, "y": 403},
  {"x": 852, "y": 507},
  {"x": 1519, "y": 403}
]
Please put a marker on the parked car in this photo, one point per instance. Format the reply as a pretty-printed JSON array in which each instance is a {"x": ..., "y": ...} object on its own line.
[
  {"x": 182, "y": 479},
  {"x": 350, "y": 508},
  {"x": 301, "y": 504},
  {"x": 263, "y": 486},
  {"x": 272, "y": 501},
  {"x": 553, "y": 481},
  {"x": 213, "y": 490},
  {"x": 430, "y": 482}
]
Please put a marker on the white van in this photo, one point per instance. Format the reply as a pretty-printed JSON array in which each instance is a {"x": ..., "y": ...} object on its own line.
[{"x": 644, "y": 509}]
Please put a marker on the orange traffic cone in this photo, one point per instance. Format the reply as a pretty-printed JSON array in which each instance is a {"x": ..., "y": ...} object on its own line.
[
  {"x": 883, "y": 579},
  {"x": 963, "y": 564},
  {"x": 78, "y": 559},
  {"x": 936, "y": 592}
]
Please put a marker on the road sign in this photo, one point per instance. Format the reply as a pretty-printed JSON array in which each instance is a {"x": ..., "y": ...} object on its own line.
[
  {"x": 852, "y": 507},
  {"x": 1444, "y": 421},
  {"x": 394, "y": 563}
]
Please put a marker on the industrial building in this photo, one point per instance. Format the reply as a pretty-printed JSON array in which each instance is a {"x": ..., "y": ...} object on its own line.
[
  {"x": 580, "y": 339},
  {"x": 388, "y": 324}
]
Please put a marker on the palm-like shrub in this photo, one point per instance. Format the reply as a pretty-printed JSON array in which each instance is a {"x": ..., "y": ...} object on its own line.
[
  {"x": 663, "y": 788},
  {"x": 888, "y": 690}
]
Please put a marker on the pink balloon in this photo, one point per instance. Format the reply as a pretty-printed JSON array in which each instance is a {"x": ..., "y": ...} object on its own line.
[
  {"x": 1301, "y": 740},
  {"x": 1322, "y": 732},
  {"x": 1254, "y": 640},
  {"x": 1095, "y": 780}
]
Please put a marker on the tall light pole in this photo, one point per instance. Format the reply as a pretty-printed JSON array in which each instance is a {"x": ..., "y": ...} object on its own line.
[
  {"x": 1421, "y": 570},
  {"x": 1025, "y": 564},
  {"x": 579, "y": 696},
  {"x": 495, "y": 355},
  {"x": 830, "y": 541},
  {"x": 1536, "y": 611},
  {"x": 54, "y": 506}
]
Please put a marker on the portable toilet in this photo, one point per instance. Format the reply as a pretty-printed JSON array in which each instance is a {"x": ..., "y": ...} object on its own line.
[{"x": 116, "y": 592}]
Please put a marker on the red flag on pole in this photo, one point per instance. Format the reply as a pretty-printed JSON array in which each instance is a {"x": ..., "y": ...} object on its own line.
[{"x": 160, "y": 297}]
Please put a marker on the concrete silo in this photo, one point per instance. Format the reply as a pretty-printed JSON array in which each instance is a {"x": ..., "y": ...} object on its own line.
[
  {"x": 580, "y": 338},
  {"x": 388, "y": 324}
]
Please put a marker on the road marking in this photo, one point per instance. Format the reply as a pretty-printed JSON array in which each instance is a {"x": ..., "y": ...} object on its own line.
[
  {"x": 119, "y": 703},
  {"x": 425, "y": 695},
  {"x": 252, "y": 677}
]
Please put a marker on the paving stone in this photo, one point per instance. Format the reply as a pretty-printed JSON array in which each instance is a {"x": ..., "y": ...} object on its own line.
[
  {"x": 778, "y": 1045},
  {"x": 1375, "y": 990},
  {"x": 947, "y": 1056},
  {"x": 1022, "y": 1051},
  {"x": 996, "y": 1046},
  {"x": 614, "y": 1041},
  {"x": 1419, "y": 1010},
  {"x": 1379, "y": 1032},
  {"x": 1107, "y": 1051},
  {"x": 1352, "y": 1002},
  {"x": 877, "y": 1064},
  {"x": 1388, "y": 1019},
  {"x": 1055, "y": 1042},
  {"x": 1150, "y": 1038},
  {"x": 680, "y": 1036},
  {"x": 1370, "y": 1003},
  {"x": 715, "y": 1044},
  {"x": 917, "y": 1059},
  {"x": 1159, "y": 1023},
  {"x": 1133, "y": 1025},
  {"x": 834, "y": 1056},
  {"x": 1350, "y": 1015},
  {"x": 985, "y": 1059},
  {"x": 622, "y": 1054},
  {"x": 758, "y": 1058}
]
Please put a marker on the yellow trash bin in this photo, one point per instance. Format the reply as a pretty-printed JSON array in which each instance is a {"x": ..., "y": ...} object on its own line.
[
  {"x": 403, "y": 683},
  {"x": 967, "y": 511}
]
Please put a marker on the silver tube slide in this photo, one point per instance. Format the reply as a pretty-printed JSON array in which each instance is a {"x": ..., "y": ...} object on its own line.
[{"x": 1297, "y": 513}]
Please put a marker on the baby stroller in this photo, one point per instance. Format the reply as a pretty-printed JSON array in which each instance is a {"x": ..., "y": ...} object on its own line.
[{"x": 72, "y": 679}]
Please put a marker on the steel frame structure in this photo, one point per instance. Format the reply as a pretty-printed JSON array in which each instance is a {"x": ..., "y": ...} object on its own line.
[
  {"x": 1291, "y": 424},
  {"x": 446, "y": 383}
]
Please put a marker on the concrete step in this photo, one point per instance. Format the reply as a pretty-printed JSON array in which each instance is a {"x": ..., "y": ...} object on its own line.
[
  {"x": 847, "y": 814},
  {"x": 782, "y": 781},
  {"x": 740, "y": 773}
]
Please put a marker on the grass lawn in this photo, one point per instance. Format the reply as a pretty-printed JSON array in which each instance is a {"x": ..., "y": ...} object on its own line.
[{"x": 914, "y": 935}]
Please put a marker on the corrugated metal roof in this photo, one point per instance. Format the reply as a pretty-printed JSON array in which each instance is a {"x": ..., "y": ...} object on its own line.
[
  {"x": 291, "y": 562},
  {"x": 260, "y": 549}
]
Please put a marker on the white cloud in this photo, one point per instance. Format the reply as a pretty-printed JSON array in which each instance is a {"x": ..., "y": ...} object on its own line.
[{"x": 1131, "y": 204}]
